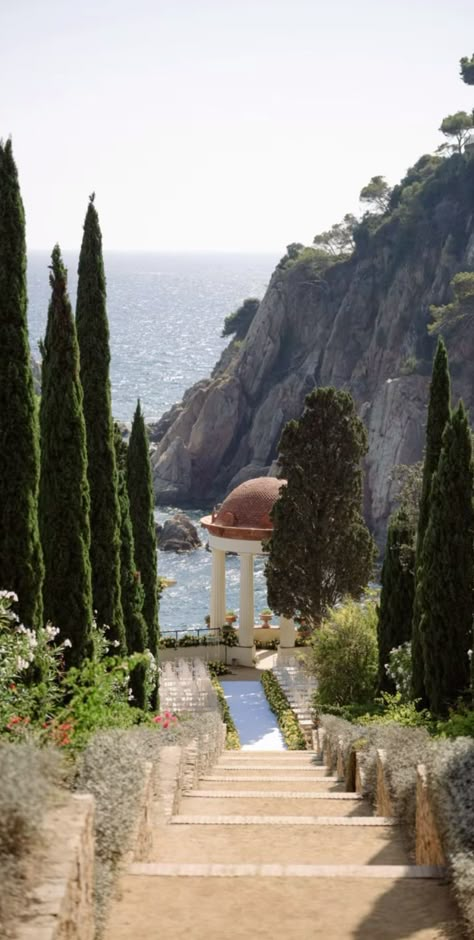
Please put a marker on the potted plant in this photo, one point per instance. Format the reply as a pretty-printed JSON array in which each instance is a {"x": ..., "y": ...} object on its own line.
[
  {"x": 266, "y": 616},
  {"x": 230, "y": 616}
]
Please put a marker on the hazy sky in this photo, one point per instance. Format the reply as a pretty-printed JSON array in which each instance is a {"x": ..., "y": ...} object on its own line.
[{"x": 220, "y": 124}]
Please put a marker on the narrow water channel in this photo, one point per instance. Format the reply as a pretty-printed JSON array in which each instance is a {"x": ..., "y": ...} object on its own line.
[{"x": 255, "y": 722}]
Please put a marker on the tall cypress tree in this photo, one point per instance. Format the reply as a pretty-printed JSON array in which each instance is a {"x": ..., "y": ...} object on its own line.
[
  {"x": 133, "y": 595},
  {"x": 438, "y": 414},
  {"x": 93, "y": 338},
  {"x": 397, "y": 594},
  {"x": 21, "y": 563},
  {"x": 447, "y": 570},
  {"x": 140, "y": 491},
  {"x": 64, "y": 501}
]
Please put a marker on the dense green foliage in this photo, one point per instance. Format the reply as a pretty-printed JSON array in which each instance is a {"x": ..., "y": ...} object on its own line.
[
  {"x": 462, "y": 305},
  {"x": 232, "y": 741},
  {"x": 21, "y": 565},
  {"x": 457, "y": 127},
  {"x": 320, "y": 547},
  {"x": 338, "y": 241},
  {"x": 439, "y": 406},
  {"x": 447, "y": 570},
  {"x": 93, "y": 338},
  {"x": 140, "y": 492},
  {"x": 467, "y": 70},
  {"x": 397, "y": 595},
  {"x": 64, "y": 502},
  {"x": 133, "y": 595},
  {"x": 286, "y": 717},
  {"x": 344, "y": 655},
  {"x": 238, "y": 323}
]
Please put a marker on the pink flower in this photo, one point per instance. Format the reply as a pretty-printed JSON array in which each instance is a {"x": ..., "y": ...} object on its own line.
[
  {"x": 157, "y": 719},
  {"x": 166, "y": 724}
]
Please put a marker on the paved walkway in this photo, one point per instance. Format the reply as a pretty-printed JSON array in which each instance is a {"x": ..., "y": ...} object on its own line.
[{"x": 268, "y": 847}]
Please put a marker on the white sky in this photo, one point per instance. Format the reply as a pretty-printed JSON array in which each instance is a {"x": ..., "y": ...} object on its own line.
[{"x": 220, "y": 124}]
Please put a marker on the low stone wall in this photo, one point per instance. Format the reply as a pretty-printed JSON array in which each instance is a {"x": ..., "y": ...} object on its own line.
[
  {"x": 428, "y": 850},
  {"x": 62, "y": 904}
]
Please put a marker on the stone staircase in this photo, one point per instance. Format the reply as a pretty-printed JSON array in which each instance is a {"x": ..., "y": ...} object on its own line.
[
  {"x": 298, "y": 687},
  {"x": 268, "y": 846}
]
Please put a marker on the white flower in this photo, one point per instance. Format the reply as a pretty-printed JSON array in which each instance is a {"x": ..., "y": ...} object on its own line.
[
  {"x": 130, "y": 696},
  {"x": 67, "y": 643},
  {"x": 115, "y": 643},
  {"x": 31, "y": 638},
  {"x": 469, "y": 655},
  {"x": 22, "y": 664},
  {"x": 51, "y": 632},
  {"x": 9, "y": 596}
]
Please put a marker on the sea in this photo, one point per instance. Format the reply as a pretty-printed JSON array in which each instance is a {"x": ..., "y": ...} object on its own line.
[{"x": 166, "y": 313}]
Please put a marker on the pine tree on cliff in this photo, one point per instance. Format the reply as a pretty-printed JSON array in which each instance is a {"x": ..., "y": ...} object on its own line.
[
  {"x": 447, "y": 570},
  {"x": 438, "y": 415},
  {"x": 397, "y": 594},
  {"x": 64, "y": 502},
  {"x": 21, "y": 564},
  {"x": 133, "y": 595},
  {"x": 93, "y": 338},
  {"x": 140, "y": 491}
]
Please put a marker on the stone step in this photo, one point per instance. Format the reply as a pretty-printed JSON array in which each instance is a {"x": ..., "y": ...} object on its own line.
[
  {"x": 291, "y": 908},
  {"x": 278, "y": 794},
  {"x": 290, "y": 756},
  {"x": 307, "y": 782},
  {"x": 297, "y": 767},
  {"x": 257, "y": 843},
  {"x": 222, "y": 870},
  {"x": 281, "y": 820},
  {"x": 268, "y": 805},
  {"x": 291, "y": 784}
]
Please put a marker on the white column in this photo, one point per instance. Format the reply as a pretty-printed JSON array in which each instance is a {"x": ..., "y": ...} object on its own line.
[
  {"x": 287, "y": 633},
  {"x": 247, "y": 613},
  {"x": 217, "y": 589}
]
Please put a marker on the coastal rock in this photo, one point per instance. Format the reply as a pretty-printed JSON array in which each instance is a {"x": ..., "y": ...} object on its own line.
[
  {"x": 362, "y": 327},
  {"x": 178, "y": 534}
]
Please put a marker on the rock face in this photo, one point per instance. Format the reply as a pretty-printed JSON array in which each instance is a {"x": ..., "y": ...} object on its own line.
[
  {"x": 178, "y": 534},
  {"x": 361, "y": 327}
]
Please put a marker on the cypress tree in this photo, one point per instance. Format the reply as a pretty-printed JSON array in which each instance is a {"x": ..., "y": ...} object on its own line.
[
  {"x": 438, "y": 415},
  {"x": 64, "y": 501},
  {"x": 21, "y": 563},
  {"x": 140, "y": 491},
  {"x": 133, "y": 595},
  {"x": 447, "y": 570},
  {"x": 397, "y": 594},
  {"x": 93, "y": 338}
]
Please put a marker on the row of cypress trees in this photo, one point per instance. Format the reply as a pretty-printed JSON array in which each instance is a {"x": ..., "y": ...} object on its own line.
[
  {"x": 428, "y": 574},
  {"x": 77, "y": 534}
]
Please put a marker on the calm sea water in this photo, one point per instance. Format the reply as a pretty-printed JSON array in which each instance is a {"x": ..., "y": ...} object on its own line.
[{"x": 166, "y": 313}]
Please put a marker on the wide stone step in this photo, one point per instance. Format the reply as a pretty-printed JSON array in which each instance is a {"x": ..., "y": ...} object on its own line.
[
  {"x": 270, "y": 870},
  {"x": 302, "y": 757},
  {"x": 291, "y": 908},
  {"x": 294, "y": 767},
  {"x": 274, "y": 782},
  {"x": 197, "y": 842},
  {"x": 233, "y": 819},
  {"x": 245, "y": 804}
]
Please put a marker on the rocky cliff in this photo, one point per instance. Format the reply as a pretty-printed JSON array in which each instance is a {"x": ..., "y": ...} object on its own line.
[{"x": 360, "y": 325}]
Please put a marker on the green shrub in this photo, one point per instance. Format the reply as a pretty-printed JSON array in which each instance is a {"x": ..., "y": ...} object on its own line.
[
  {"x": 232, "y": 741},
  {"x": 286, "y": 717},
  {"x": 459, "y": 724},
  {"x": 394, "y": 709},
  {"x": 344, "y": 655},
  {"x": 217, "y": 668}
]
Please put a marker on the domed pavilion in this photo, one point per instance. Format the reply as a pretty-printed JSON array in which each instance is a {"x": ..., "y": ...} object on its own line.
[{"x": 240, "y": 525}]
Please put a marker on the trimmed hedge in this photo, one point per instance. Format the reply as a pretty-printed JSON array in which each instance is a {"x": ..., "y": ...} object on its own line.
[
  {"x": 286, "y": 717},
  {"x": 232, "y": 741}
]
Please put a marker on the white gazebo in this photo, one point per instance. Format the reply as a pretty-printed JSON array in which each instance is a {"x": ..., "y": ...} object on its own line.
[{"x": 240, "y": 525}]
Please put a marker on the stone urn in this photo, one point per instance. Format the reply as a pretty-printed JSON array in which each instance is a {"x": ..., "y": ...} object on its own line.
[{"x": 266, "y": 618}]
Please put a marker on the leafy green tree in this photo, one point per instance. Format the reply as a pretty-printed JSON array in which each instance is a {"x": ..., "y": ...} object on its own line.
[
  {"x": 467, "y": 70},
  {"x": 447, "y": 570},
  {"x": 376, "y": 194},
  {"x": 21, "y": 563},
  {"x": 343, "y": 655},
  {"x": 462, "y": 306},
  {"x": 140, "y": 492},
  {"x": 64, "y": 501},
  {"x": 457, "y": 128},
  {"x": 395, "y": 613},
  {"x": 93, "y": 338},
  {"x": 439, "y": 408},
  {"x": 133, "y": 595},
  {"x": 338, "y": 241},
  {"x": 320, "y": 547},
  {"x": 238, "y": 323}
]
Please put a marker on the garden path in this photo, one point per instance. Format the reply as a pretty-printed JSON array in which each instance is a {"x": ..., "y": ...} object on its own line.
[{"x": 268, "y": 846}]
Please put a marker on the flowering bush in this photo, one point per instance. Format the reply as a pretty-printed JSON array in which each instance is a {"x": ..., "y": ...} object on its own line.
[
  {"x": 399, "y": 669},
  {"x": 164, "y": 720}
]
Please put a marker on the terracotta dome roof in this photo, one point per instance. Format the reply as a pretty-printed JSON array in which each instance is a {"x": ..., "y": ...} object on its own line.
[{"x": 249, "y": 505}]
